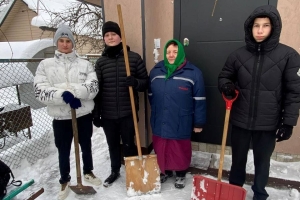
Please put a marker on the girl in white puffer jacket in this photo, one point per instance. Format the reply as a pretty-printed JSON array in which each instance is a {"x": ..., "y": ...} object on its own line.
[{"x": 62, "y": 83}]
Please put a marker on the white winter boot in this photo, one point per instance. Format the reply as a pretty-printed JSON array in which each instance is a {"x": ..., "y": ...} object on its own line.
[
  {"x": 91, "y": 178},
  {"x": 65, "y": 189}
]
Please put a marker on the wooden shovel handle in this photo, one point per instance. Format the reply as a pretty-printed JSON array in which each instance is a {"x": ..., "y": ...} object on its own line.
[
  {"x": 137, "y": 135},
  {"x": 224, "y": 138},
  {"x": 76, "y": 146},
  {"x": 225, "y": 131}
]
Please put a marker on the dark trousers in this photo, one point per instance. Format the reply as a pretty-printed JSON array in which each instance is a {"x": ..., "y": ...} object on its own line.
[
  {"x": 263, "y": 143},
  {"x": 63, "y": 136},
  {"x": 114, "y": 129}
]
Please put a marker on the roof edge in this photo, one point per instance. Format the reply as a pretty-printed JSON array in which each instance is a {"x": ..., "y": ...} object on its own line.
[
  {"x": 90, "y": 3},
  {"x": 11, "y": 6}
]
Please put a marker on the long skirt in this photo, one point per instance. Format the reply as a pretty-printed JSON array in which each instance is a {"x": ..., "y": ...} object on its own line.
[{"x": 172, "y": 154}]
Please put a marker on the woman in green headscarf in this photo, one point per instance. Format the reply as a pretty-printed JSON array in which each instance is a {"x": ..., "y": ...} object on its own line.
[{"x": 178, "y": 107}]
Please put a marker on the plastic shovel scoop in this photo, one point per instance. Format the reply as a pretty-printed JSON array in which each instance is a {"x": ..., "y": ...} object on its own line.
[{"x": 210, "y": 189}]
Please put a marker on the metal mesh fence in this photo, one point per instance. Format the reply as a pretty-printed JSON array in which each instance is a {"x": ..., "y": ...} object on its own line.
[
  {"x": 93, "y": 58},
  {"x": 24, "y": 123}
]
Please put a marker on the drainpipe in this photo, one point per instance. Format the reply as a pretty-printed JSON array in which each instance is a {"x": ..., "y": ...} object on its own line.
[
  {"x": 144, "y": 58},
  {"x": 103, "y": 13}
]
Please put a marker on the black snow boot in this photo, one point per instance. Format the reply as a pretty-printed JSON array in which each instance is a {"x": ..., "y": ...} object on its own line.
[
  {"x": 112, "y": 177},
  {"x": 164, "y": 177}
]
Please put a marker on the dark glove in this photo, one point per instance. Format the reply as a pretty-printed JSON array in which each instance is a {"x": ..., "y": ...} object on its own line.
[
  {"x": 284, "y": 132},
  {"x": 131, "y": 81},
  {"x": 75, "y": 103},
  {"x": 97, "y": 122},
  {"x": 67, "y": 96},
  {"x": 228, "y": 89}
]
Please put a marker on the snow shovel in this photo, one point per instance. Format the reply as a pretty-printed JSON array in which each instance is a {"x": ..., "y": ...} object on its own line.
[
  {"x": 79, "y": 188},
  {"x": 210, "y": 189},
  {"x": 142, "y": 171}
]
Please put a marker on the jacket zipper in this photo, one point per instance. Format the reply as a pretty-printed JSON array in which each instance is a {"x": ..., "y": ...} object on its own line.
[
  {"x": 117, "y": 83},
  {"x": 256, "y": 85},
  {"x": 66, "y": 73},
  {"x": 67, "y": 69}
]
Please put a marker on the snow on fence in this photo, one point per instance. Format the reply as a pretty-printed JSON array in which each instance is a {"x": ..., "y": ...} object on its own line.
[{"x": 23, "y": 120}]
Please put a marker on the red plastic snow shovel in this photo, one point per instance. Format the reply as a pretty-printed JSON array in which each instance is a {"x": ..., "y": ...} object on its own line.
[
  {"x": 210, "y": 189},
  {"x": 79, "y": 188}
]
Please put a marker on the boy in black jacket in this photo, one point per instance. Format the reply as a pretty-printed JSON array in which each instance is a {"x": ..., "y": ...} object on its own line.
[
  {"x": 112, "y": 104},
  {"x": 266, "y": 74}
]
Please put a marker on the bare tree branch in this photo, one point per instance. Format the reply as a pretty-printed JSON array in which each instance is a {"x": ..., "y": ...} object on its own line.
[
  {"x": 85, "y": 21},
  {"x": 3, "y": 3}
]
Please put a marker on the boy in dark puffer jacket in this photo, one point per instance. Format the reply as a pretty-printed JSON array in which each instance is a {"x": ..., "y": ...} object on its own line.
[
  {"x": 266, "y": 74},
  {"x": 112, "y": 104}
]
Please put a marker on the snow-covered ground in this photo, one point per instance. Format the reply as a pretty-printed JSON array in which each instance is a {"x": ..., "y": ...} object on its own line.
[{"x": 46, "y": 174}]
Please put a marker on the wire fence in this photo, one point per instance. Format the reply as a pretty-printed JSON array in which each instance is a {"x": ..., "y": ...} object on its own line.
[
  {"x": 24, "y": 123},
  {"x": 25, "y": 127}
]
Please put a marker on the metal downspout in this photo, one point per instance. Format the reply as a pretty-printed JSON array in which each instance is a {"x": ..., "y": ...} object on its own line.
[
  {"x": 103, "y": 12},
  {"x": 144, "y": 58}
]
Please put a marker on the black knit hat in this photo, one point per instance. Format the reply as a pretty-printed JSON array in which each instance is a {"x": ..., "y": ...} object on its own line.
[{"x": 110, "y": 26}]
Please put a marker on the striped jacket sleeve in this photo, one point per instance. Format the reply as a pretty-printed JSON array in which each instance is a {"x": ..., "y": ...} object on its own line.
[
  {"x": 43, "y": 90},
  {"x": 199, "y": 100}
]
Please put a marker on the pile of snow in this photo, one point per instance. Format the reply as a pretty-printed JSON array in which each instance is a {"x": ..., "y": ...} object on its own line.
[
  {"x": 4, "y": 9},
  {"x": 42, "y": 7},
  {"x": 23, "y": 49}
]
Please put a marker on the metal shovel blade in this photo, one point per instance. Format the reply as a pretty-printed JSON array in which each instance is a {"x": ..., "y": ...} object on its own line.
[{"x": 80, "y": 189}]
